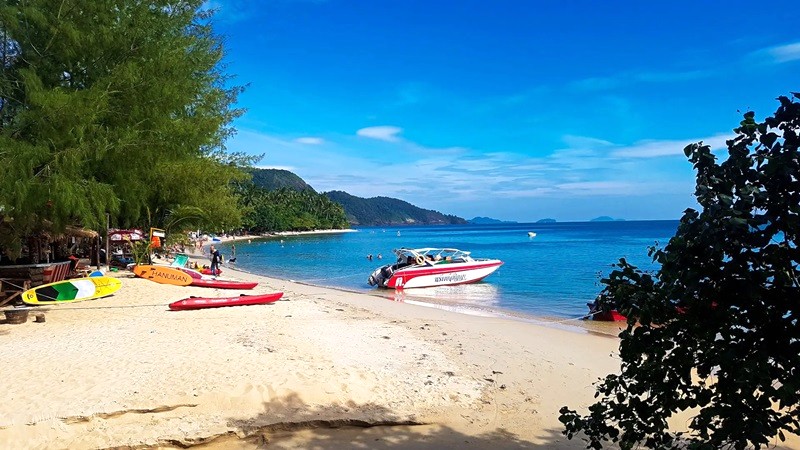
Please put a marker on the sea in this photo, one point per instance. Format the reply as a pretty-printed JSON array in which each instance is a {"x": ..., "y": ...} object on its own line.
[{"x": 553, "y": 274}]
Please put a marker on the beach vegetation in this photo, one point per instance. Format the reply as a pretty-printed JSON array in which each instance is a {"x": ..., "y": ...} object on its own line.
[
  {"x": 288, "y": 209},
  {"x": 113, "y": 107},
  {"x": 714, "y": 333}
]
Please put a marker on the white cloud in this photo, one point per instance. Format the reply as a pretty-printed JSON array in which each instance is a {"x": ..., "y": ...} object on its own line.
[
  {"x": 597, "y": 84},
  {"x": 310, "y": 140},
  {"x": 382, "y": 133},
  {"x": 655, "y": 149},
  {"x": 784, "y": 53},
  {"x": 667, "y": 77},
  {"x": 594, "y": 187},
  {"x": 458, "y": 179},
  {"x": 585, "y": 141}
]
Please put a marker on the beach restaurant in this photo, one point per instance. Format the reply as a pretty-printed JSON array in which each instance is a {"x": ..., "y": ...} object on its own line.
[{"x": 47, "y": 257}]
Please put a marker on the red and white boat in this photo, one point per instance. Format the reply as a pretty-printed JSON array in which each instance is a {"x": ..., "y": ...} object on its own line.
[
  {"x": 217, "y": 302},
  {"x": 426, "y": 267},
  {"x": 596, "y": 313}
]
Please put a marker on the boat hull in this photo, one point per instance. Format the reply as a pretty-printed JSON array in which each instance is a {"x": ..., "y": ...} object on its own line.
[
  {"x": 609, "y": 316},
  {"x": 441, "y": 275},
  {"x": 207, "y": 302}
]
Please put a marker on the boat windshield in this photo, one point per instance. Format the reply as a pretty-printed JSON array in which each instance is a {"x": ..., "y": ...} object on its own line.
[{"x": 432, "y": 254}]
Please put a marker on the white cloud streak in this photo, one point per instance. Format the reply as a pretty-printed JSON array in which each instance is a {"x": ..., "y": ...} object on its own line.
[
  {"x": 310, "y": 140},
  {"x": 597, "y": 84},
  {"x": 784, "y": 53},
  {"x": 382, "y": 133},
  {"x": 452, "y": 179},
  {"x": 656, "y": 149}
]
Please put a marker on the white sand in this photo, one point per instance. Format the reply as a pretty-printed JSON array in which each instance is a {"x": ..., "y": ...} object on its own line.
[{"x": 319, "y": 369}]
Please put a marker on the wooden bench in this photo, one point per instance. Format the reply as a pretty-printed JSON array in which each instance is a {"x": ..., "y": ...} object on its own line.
[{"x": 12, "y": 288}]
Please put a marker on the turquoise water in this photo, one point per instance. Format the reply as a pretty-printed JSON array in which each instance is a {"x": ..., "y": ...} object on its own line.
[{"x": 553, "y": 274}]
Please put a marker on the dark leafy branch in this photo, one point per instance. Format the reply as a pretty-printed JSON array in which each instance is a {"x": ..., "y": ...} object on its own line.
[{"x": 715, "y": 331}]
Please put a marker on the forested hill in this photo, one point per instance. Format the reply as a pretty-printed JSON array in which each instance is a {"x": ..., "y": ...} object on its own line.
[
  {"x": 274, "y": 179},
  {"x": 388, "y": 211},
  {"x": 359, "y": 211}
]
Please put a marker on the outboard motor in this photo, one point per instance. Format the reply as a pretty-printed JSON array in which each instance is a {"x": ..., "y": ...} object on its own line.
[
  {"x": 380, "y": 275},
  {"x": 375, "y": 278}
]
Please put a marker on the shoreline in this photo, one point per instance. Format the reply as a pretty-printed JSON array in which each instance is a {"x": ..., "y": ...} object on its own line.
[
  {"x": 229, "y": 238},
  {"x": 606, "y": 329},
  {"x": 574, "y": 324},
  {"x": 320, "y": 368}
]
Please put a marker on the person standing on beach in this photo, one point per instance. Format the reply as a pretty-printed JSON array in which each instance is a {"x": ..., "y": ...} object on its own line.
[{"x": 215, "y": 260}]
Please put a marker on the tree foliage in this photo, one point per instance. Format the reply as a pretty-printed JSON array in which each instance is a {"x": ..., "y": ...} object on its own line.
[
  {"x": 718, "y": 333},
  {"x": 274, "y": 179},
  {"x": 112, "y": 106},
  {"x": 289, "y": 210}
]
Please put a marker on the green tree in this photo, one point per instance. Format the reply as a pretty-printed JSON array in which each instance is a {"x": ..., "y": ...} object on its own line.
[
  {"x": 287, "y": 209},
  {"x": 112, "y": 106},
  {"x": 718, "y": 332}
]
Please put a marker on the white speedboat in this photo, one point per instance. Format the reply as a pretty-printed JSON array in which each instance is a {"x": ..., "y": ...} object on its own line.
[{"x": 426, "y": 267}]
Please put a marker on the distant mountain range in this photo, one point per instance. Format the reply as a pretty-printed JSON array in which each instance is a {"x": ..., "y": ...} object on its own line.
[
  {"x": 546, "y": 221},
  {"x": 376, "y": 211}
]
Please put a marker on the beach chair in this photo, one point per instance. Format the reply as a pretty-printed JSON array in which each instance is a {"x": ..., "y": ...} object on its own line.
[{"x": 180, "y": 260}]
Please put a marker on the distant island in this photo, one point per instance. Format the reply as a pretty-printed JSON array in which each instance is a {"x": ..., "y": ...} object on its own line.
[
  {"x": 546, "y": 221},
  {"x": 606, "y": 219},
  {"x": 487, "y": 221}
]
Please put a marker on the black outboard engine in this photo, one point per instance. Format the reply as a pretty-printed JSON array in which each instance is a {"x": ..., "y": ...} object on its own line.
[{"x": 380, "y": 275}]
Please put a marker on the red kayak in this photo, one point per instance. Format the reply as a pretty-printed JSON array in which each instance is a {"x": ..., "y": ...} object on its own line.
[
  {"x": 192, "y": 273},
  {"x": 224, "y": 284},
  {"x": 195, "y": 273},
  {"x": 204, "y": 302}
]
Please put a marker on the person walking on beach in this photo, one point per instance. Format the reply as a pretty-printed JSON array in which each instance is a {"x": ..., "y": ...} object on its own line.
[{"x": 215, "y": 260}]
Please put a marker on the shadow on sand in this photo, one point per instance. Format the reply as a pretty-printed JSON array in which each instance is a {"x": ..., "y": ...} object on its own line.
[{"x": 289, "y": 423}]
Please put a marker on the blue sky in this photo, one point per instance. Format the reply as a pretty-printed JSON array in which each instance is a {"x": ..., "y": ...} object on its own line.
[{"x": 517, "y": 110}]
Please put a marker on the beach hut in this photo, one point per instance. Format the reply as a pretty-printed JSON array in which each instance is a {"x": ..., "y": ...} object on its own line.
[
  {"x": 120, "y": 241},
  {"x": 46, "y": 259}
]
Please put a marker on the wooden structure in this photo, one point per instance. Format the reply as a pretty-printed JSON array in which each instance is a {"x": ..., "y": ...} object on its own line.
[
  {"x": 16, "y": 279},
  {"x": 38, "y": 253},
  {"x": 11, "y": 289}
]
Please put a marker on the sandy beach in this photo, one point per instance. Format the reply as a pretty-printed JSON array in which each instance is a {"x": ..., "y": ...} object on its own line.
[{"x": 320, "y": 369}]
